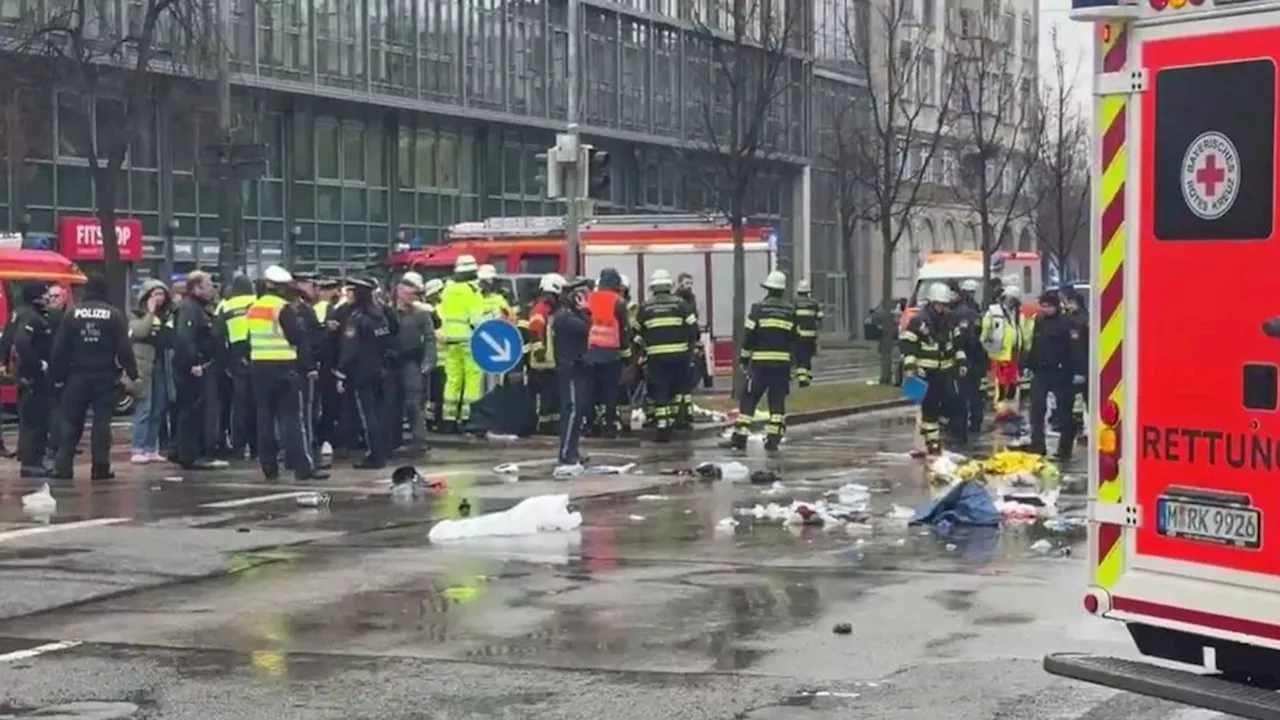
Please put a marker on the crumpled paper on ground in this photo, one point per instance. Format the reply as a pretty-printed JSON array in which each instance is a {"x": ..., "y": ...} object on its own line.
[{"x": 541, "y": 513}]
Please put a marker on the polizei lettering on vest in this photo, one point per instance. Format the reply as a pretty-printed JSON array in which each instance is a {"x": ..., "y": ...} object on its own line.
[
  {"x": 92, "y": 313},
  {"x": 1216, "y": 448}
]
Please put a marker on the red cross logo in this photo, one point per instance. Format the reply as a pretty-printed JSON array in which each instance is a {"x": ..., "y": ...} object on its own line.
[{"x": 1209, "y": 175}]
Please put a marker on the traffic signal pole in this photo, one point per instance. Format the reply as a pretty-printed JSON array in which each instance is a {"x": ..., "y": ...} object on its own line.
[{"x": 572, "y": 188}]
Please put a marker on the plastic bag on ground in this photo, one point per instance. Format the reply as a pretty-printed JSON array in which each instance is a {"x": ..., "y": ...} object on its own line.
[
  {"x": 731, "y": 470},
  {"x": 854, "y": 496},
  {"x": 542, "y": 513},
  {"x": 568, "y": 471},
  {"x": 610, "y": 469}
]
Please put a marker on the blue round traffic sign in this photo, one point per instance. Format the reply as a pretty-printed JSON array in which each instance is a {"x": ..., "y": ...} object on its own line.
[{"x": 497, "y": 346}]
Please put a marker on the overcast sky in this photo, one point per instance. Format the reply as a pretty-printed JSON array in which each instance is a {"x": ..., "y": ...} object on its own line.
[{"x": 1076, "y": 41}]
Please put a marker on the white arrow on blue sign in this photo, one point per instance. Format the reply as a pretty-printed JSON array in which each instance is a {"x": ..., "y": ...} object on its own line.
[{"x": 497, "y": 346}]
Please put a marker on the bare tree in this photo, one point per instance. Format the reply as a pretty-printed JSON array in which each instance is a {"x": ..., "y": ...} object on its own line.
[
  {"x": 998, "y": 125},
  {"x": 107, "y": 68},
  {"x": 1060, "y": 182},
  {"x": 743, "y": 51},
  {"x": 887, "y": 136}
]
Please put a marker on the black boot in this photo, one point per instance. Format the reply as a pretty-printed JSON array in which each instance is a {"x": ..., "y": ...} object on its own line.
[{"x": 101, "y": 471}]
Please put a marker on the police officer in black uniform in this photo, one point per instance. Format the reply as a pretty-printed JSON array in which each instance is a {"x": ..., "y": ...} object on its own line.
[
  {"x": 282, "y": 364},
  {"x": 32, "y": 340},
  {"x": 808, "y": 319},
  {"x": 569, "y": 329},
  {"x": 767, "y": 351},
  {"x": 196, "y": 349},
  {"x": 306, "y": 293},
  {"x": 361, "y": 369},
  {"x": 968, "y": 402},
  {"x": 346, "y": 426},
  {"x": 668, "y": 332},
  {"x": 90, "y": 350},
  {"x": 1051, "y": 358}
]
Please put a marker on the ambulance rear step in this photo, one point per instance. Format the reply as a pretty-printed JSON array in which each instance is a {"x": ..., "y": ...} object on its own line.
[{"x": 1180, "y": 686}]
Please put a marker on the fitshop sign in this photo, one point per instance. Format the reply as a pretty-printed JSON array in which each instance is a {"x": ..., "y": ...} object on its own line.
[{"x": 80, "y": 238}]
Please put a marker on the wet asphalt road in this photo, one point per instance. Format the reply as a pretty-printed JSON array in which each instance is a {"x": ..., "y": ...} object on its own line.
[{"x": 159, "y": 595}]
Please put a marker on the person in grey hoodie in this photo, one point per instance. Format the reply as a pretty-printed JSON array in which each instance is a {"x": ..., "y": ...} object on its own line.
[{"x": 151, "y": 332}]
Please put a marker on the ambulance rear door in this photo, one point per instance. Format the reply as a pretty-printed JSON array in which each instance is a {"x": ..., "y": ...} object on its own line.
[{"x": 1201, "y": 429}]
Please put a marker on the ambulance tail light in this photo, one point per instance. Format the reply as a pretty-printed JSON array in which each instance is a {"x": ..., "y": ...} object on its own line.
[
  {"x": 1097, "y": 601},
  {"x": 1109, "y": 441}
]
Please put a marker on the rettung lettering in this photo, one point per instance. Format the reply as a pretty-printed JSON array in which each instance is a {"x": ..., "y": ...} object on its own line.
[{"x": 1187, "y": 446}]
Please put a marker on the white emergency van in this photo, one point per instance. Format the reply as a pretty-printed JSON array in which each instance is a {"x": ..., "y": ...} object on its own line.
[{"x": 1184, "y": 477}]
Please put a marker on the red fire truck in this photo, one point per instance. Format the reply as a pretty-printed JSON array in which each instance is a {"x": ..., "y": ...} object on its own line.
[
  {"x": 1184, "y": 480},
  {"x": 634, "y": 245}
]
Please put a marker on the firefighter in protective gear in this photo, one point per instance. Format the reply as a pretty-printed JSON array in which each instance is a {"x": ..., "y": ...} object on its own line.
[
  {"x": 1001, "y": 334},
  {"x": 967, "y": 410},
  {"x": 460, "y": 308},
  {"x": 541, "y": 364},
  {"x": 609, "y": 334},
  {"x": 930, "y": 351},
  {"x": 632, "y": 379},
  {"x": 668, "y": 332},
  {"x": 767, "y": 352},
  {"x": 281, "y": 362},
  {"x": 243, "y": 415},
  {"x": 809, "y": 317},
  {"x": 435, "y": 373}
]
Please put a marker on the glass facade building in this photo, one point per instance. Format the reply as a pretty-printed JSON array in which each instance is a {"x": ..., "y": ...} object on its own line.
[{"x": 388, "y": 120}]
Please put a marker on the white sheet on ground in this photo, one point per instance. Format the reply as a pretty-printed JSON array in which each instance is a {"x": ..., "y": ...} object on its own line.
[{"x": 539, "y": 514}]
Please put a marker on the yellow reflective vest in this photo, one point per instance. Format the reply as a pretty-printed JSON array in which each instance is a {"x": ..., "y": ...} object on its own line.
[
  {"x": 232, "y": 311},
  {"x": 461, "y": 307},
  {"x": 267, "y": 342}
]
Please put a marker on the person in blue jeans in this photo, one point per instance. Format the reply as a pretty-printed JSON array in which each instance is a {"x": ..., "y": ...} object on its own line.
[{"x": 151, "y": 330}]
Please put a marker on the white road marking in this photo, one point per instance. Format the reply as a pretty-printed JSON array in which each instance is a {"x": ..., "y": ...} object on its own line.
[
  {"x": 59, "y": 527},
  {"x": 39, "y": 650},
  {"x": 242, "y": 502}
]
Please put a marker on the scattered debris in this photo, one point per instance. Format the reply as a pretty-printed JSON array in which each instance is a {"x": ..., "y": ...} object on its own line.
[
  {"x": 731, "y": 470},
  {"x": 726, "y": 525},
  {"x": 567, "y": 471},
  {"x": 40, "y": 504},
  {"x": 542, "y": 513},
  {"x": 1042, "y": 546},
  {"x": 507, "y": 469},
  {"x": 635, "y": 518},
  {"x": 610, "y": 469},
  {"x": 843, "y": 628},
  {"x": 312, "y": 499},
  {"x": 500, "y": 437},
  {"x": 764, "y": 477},
  {"x": 652, "y": 498}
]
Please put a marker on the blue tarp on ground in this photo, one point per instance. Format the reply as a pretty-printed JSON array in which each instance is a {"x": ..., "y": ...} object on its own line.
[{"x": 966, "y": 503}]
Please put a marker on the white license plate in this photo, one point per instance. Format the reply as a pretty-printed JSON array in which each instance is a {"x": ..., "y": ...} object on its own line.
[{"x": 1225, "y": 524}]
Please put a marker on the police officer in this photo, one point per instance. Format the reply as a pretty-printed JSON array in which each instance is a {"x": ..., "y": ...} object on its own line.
[
  {"x": 1051, "y": 357},
  {"x": 306, "y": 294},
  {"x": 56, "y": 298},
  {"x": 332, "y": 298},
  {"x": 361, "y": 369},
  {"x": 243, "y": 416},
  {"x": 282, "y": 365},
  {"x": 929, "y": 351},
  {"x": 90, "y": 350},
  {"x": 542, "y": 382},
  {"x": 767, "y": 351},
  {"x": 570, "y": 328},
  {"x": 195, "y": 352},
  {"x": 32, "y": 340},
  {"x": 967, "y": 407},
  {"x": 1073, "y": 305},
  {"x": 668, "y": 331},
  {"x": 809, "y": 317}
]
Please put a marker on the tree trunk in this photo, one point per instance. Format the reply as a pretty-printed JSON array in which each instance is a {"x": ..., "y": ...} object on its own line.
[
  {"x": 106, "y": 186},
  {"x": 854, "y": 310},
  {"x": 888, "y": 333},
  {"x": 739, "y": 297}
]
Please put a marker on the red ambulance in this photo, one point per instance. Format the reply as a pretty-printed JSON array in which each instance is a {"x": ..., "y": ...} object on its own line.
[{"x": 1184, "y": 481}]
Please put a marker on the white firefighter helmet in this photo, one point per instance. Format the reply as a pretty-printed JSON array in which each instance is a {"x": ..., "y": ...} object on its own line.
[
  {"x": 465, "y": 264},
  {"x": 660, "y": 278},
  {"x": 969, "y": 286},
  {"x": 802, "y": 286},
  {"x": 433, "y": 286},
  {"x": 486, "y": 272},
  {"x": 277, "y": 274},
  {"x": 937, "y": 293},
  {"x": 413, "y": 280},
  {"x": 551, "y": 283},
  {"x": 776, "y": 280},
  {"x": 1011, "y": 292}
]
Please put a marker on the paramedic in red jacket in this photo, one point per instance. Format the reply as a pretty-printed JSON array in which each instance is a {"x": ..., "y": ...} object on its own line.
[{"x": 610, "y": 332}]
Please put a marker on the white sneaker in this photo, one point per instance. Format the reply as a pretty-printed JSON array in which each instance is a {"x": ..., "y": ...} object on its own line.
[
  {"x": 141, "y": 458},
  {"x": 157, "y": 457},
  {"x": 326, "y": 449},
  {"x": 218, "y": 464}
]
